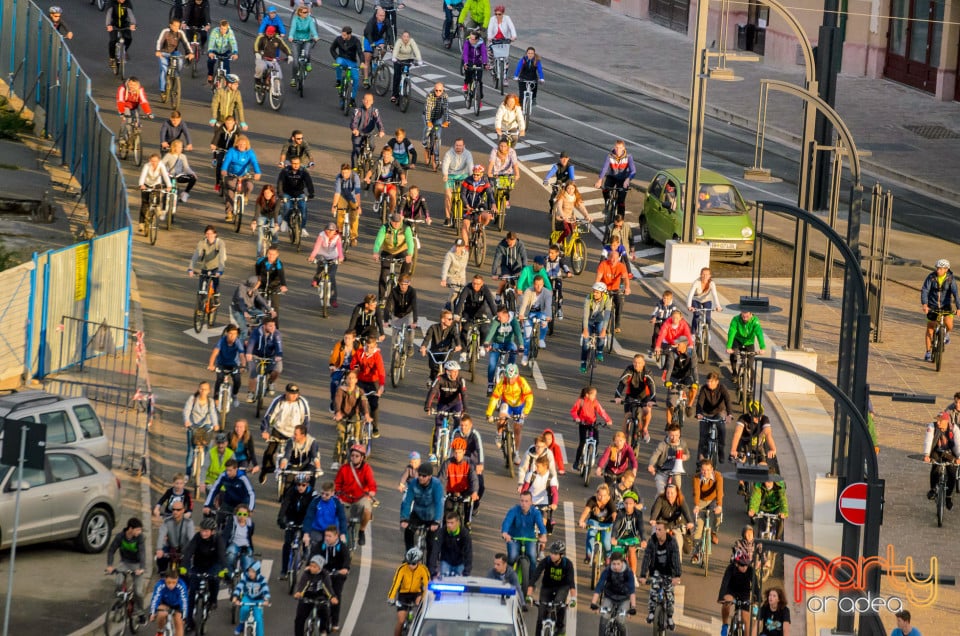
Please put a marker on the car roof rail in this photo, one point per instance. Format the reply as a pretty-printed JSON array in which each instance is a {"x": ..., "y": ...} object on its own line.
[{"x": 47, "y": 398}]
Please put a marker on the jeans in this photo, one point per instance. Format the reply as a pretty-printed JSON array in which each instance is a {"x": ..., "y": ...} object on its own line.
[
  {"x": 114, "y": 36},
  {"x": 234, "y": 373},
  {"x": 594, "y": 328},
  {"x": 528, "y": 328},
  {"x": 398, "y": 73},
  {"x": 301, "y": 203},
  {"x": 448, "y": 19},
  {"x": 450, "y": 570},
  {"x": 257, "y": 612},
  {"x": 302, "y": 49},
  {"x": 707, "y": 314},
  {"x": 212, "y": 63},
  {"x": 553, "y": 594},
  {"x": 354, "y": 71},
  {"x": 244, "y": 554},
  {"x": 613, "y": 181},
  {"x": 613, "y": 609},
  {"x": 514, "y": 548},
  {"x": 190, "y": 450},
  {"x": 438, "y": 124},
  {"x": 494, "y": 358},
  {"x": 593, "y": 527},
  {"x": 230, "y": 185},
  {"x": 164, "y": 60}
]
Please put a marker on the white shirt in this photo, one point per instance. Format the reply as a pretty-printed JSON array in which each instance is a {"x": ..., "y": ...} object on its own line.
[
  {"x": 506, "y": 26},
  {"x": 508, "y": 119},
  {"x": 151, "y": 177}
]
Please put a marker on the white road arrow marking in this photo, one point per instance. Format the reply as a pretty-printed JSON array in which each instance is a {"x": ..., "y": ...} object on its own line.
[{"x": 205, "y": 334}]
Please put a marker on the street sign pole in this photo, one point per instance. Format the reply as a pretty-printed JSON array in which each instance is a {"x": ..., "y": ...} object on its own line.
[{"x": 16, "y": 524}]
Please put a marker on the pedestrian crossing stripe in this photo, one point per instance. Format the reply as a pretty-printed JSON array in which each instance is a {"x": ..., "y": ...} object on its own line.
[
  {"x": 535, "y": 156},
  {"x": 647, "y": 253},
  {"x": 650, "y": 270},
  {"x": 433, "y": 76},
  {"x": 540, "y": 168},
  {"x": 594, "y": 201}
]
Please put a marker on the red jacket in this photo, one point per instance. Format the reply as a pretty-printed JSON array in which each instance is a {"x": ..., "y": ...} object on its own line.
[
  {"x": 369, "y": 367},
  {"x": 349, "y": 489},
  {"x": 127, "y": 100},
  {"x": 589, "y": 413},
  {"x": 669, "y": 333}
]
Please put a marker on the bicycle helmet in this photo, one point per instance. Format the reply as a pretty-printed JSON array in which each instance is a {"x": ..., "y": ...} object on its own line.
[
  {"x": 600, "y": 287},
  {"x": 451, "y": 365},
  {"x": 359, "y": 448},
  {"x": 558, "y": 547},
  {"x": 270, "y": 30},
  {"x": 55, "y": 9},
  {"x": 413, "y": 556},
  {"x": 943, "y": 263},
  {"x": 741, "y": 558},
  {"x": 208, "y": 524},
  {"x": 478, "y": 169},
  {"x": 631, "y": 495},
  {"x": 233, "y": 78},
  {"x": 511, "y": 371},
  {"x": 302, "y": 478},
  {"x": 221, "y": 438},
  {"x": 459, "y": 444},
  {"x": 755, "y": 409}
]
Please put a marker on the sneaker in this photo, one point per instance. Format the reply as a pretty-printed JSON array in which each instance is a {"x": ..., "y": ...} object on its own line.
[
  {"x": 646, "y": 438},
  {"x": 263, "y": 476},
  {"x": 376, "y": 433},
  {"x": 337, "y": 83},
  {"x": 282, "y": 576},
  {"x": 353, "y": 242},
  {"x": 524, "y": 360},
  {"x": 464, "y": 88},
  {"x": 599, "y": 356},
  {"x": 583, "y": 367},
  {"x": 516, "y": 458},
  {"x": 667, "y": 384},
  {"x": 362, "y": 539},
  {"x": 236, "y": 402},
  {"x": 293, "y": 83},
  {"x": 489, "y": 389},
  {"x": 447, "y": 222},
  {"x": 238, "y": 629},
  {"x": 272, "y": 389},
  {"x": 334, "y": 304},
  {"x": 946, "y": 339},
  {"x": 927, "y": 357},
  {"x": 663, "y": 376},
  {"x": 140, "y": 229},
  {"x": 482, "y": 353},
  {"x": 447, "y": 44},
  {"x": 695, "y": 559},
  {"x": 251, "y": 398},
  {"x": 543, "y": 344},
  {"x": 714, "y": 539},
  {"x": 209, "y": 79},
  {"x": 216, "y": 188},
  {"x": 304, "y": 233},
  {"x": 163, "y": 97},
  {"x": 586, "y": 560},
  {"x": 499, "y": 442},
  {"x": 650, "y": 617},
  {"x": 559, "y": 314},
  {"x": 393, "y": 99},
  {"x": 309, "y": 67},
  {"x": 184, "y": 197},
  {"x": 670, "y": 624}
]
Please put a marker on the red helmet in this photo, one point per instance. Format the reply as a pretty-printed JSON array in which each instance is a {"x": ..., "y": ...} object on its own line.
[
  {"x": 359, "y": 448},
  {"x": 271, "y": 30}
]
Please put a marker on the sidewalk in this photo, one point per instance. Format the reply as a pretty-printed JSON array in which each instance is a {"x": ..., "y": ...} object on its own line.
[{"x": 642, "y": 56}]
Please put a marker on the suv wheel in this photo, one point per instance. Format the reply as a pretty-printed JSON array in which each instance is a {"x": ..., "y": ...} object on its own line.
[{"x": 95, "y": 531}]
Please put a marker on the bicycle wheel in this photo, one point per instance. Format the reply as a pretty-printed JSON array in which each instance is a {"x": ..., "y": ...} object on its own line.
[
  {"x": 343, "y": 3},
  {"x": 460, "y": 32},
  {"x": 276, "y": 92},
  {"x": 173, "y": 88},
  {"x": 299, "y": 77},
  {"x": 152, "y": 224},
  {"x": 501, "y": 209},
  {"x": 243, "y": 10},
  {"x": 527, "y": 108},
  {"x": 123, "y": 145},
  {"x": 115, "y": 620},
  {"x": 101, "y": 4},
  {"x": 478, "y": 249},
  {"x": 585, "y": 468},
  {"x": 224, "y": 2},
  {"x": 534, "y": 340},
  {"x": 347, "y": 93},
  {"x": 324, "y": 292},
  {"x": 578, "y": 256},
  {"x": 239, "y": 203},
  {"x": 476, "y": 102},
  {"x": 381, "y": 79},
  {"x": 296, "y": 231},
  {"x": 941, "y": 502},
  {"x": 259, "y": 91},
  {"x": 472, "y": 359},
  {"x": 502, "y": 75},
  {"x": 121, "y": 66},
  {"x": 705, "y": 550},
  {"x": 938, "y": 347},
  {"x": 261, "y": 389},
  {"x": 396, "y": 367},
  {"x": 404, "y": 95},
  {"x": 468, "y": 97},
  {"x": 358, "y": 5},
  {"x": 508, "y": 448},
  {"x": 659, "y": 620},
  {"x": 171, "y": 207},
  {"x": 596, "y": 565},
  {"x": 212, "y": 309},
  {"x": 137, "y": 150}
]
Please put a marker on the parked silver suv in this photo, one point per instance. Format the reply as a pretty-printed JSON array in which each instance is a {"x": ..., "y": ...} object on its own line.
[{"x": 69, "y": 420}]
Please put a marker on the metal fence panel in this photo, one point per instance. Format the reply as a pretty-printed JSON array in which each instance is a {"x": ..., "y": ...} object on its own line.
[
  {"x": 14, "y": 318},
  {"x": 108, "y": 279}
]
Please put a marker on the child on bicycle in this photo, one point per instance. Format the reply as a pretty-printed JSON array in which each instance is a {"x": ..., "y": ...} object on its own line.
[
  {"x": 770, "y": 497},
  {"x": 542, "y": 484},
  {"x": 129, "y": 542},
  {"x": 627, "y": 532},
  {"x": 942, "y": 444},
  {"x": 664, "y": 309},
  {"x": 177, "y": 493},
  {"x": 314, "y": 586},
  {"x": 251, "y": 591},
  {"x": 170, "y": 596},
  {"x": 409, "y": 583},
  {"x": 587, "y": 413},
  {"x": 238, "y": 535}
]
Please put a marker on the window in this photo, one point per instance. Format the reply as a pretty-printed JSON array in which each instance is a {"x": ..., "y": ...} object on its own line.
[
  {"x": 63, "y": 467},
  {"x": 657, "y": 186},
  {"x": 88, "y": 420},
  {"x": 59, "y": 428},
  {"x": 31, "y": 477}
]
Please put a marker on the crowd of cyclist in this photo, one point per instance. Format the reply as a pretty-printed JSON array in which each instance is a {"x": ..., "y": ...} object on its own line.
[{"x": 444, "y": 493}]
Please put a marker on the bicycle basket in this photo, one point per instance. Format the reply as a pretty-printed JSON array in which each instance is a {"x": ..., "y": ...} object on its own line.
[
  {"x": 200, "y": 437},
  {"x": 500, "y": 50}
]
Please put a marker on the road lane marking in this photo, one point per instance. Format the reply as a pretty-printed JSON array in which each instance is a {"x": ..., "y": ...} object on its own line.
[
  {"x": 535, "y": 156},
  {"x": 571, "y": 541},
  {"x": 205, "y": 334},
  {"x": 599, "y": 201},
  {"x": 363, "y": 582},
  {"x": 537, "y": 376},
  {"x": 650, "y": 251},
  {"x": 540, "y": 168}
]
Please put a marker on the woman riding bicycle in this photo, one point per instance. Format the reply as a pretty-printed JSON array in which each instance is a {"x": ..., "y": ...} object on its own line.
[
  {"x": 565, "y": 208},
  {"x": 474, "y": 55},
  {"x": 510, "y": 119},
  {"x": 238, "y": 161},
  {"x": 529, "y": 69},
  {"x": 199, "y": 414},
  {"x": 504, "y": 163},
  {"x": 670, "y": 508},
  {"x": 268, "y": 214},
  {"x": 244, "y": 449},
  {"x": 703, "y": 295},
  {"x": 501, "y": 26}
]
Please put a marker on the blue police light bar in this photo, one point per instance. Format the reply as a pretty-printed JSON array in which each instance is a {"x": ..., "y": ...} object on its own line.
[{"x": 459, "y": 588}]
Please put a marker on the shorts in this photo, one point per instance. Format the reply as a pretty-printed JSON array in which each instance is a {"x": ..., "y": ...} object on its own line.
[
  {"x": 511, "y": 411},
  {"x": 934, "y": 316},
  {"x": 359, "y": 507},
  {"x": 368, "y": 47},
  {"x": 454, "y": 180},
  {"x": 407, "y": 598}
]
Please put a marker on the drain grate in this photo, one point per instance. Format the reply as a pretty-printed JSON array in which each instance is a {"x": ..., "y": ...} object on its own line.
[{"x": 933, "y": 131}]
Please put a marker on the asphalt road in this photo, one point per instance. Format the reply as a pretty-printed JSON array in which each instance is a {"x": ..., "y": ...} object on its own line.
[{"x": 178, "y": 357}]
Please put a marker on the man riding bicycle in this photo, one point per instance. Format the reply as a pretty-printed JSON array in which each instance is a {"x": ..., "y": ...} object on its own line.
[
  {"x": 264, "y": 342},
  {"x": 436, "y": 113},
  {"x": 713, "y": 403},
  {"x": 293, "y": 183},
  {"x": 391, "y": 176},
  {"x": 535, "y": 305},
  {"x": 422, "y": 506},
  {"x": 302, "y": 455},
  {"x": 735, "y": 590},
  {"x": 707, "y": 498},
  {"x": 440, "y": 340},
  {"x": 938, "y": 295},
  {"x": 284, "y": 414},
  {"x": 455, "y": 168},
  {"x": 941, "y": 443},
  {"x": 474, "y": 302},
  {"x": 365, "y": 122},
  {"x": 617, "y": 171},
  {"x": 770, "y": 497},
  {"x": 376, "y": 33},
  {"x": 753, "y": 437},
  {"x": 394, "y": 241},
  {"x": 509, "y": 259},
  {"x": 346, "y": 50},
  {"x": 661, "y": 563},
  {"x": 357, "y": 488},
  {"x": 477, "y": 196},
  {"x": 744, "y": 330},
  {"x": 596, "y": 315},
  {"x": 173, "y": 537},
  {"x": 368, "y": 363},
  {"x": 512, "y": 397},
  {"x": 459, "y": 479},
  {"x": 503, "y": 337},
  {"x": 223, "y": 45},
  {"x": 203, "y": 557},
  {"x": 523, "y": 521},
  {"x": 171, "y": 41},
  {"x": 558, "y": 585},
  {"x": 637, "y": 392},
  {"x": 449, "y": 390},
  {"x": 681, "y": 370},
  {"x": 267, "y": 49},
  {"x": 613, "y": 273},
  {"x": 196, "y": 17}
]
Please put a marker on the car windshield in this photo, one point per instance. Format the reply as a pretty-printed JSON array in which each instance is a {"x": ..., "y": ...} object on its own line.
[
  {"x": 720, "y": 199},
  {"x": 435, "y": 627}
]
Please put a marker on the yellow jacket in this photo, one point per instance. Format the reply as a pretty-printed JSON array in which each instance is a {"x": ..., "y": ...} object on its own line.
[
  {"x": 513, "y": 393},
  {"x": 407, "y": 581}
]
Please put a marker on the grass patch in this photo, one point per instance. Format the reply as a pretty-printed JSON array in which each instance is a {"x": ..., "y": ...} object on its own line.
[
  {"x": 9, "y": 166},
  {"x": 8, "y": 258},
  {"x": 12, "y": 125}
]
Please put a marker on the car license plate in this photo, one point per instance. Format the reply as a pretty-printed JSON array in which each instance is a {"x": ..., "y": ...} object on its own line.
[{"x": 723, "y": 246}]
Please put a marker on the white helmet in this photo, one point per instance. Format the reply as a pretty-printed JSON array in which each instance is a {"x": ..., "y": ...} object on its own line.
[
  {"x": 451, "y": 365},
  {"x": 600, "y": 287},
  {"x": 943, "y": 263}
]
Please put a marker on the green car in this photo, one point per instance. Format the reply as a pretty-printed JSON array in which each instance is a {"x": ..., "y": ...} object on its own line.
[{"x": 723, "y": 220}]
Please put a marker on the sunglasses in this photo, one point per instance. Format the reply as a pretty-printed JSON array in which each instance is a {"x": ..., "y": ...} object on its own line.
[
  {"x": 177, "y": 509},
  {"x": 438, "y": 90},
  {"x": 243, "y": 514},
  {"x": 298, "y": 138}
]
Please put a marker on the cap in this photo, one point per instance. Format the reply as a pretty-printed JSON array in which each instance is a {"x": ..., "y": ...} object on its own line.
[
  {"x": 943, "y": 416},
  {"x": 564, "y": 155},
  {"x": 271, "y": 30},
  {"x": 413, "y": 455},
  {"x": 292, "y": 388},
  {"x": 319, "y": 560},
  {"x": 459, "y": 243},
  {"x": 332, "y": 226},
  {"x": 396, "y": 217},
  {"x": 253, "y": 280},
  {"x": 540, "y": 260},
  {"x": 272, "y": 9}
]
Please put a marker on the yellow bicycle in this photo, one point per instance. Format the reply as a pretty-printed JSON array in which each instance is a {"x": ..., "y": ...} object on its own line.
[
  {"x": 503, "y": 188},
  {"x": 573, "y": 247}
]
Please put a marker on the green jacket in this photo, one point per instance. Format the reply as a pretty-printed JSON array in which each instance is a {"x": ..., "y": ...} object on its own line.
[
  {"x": 499, "y": 333},
  {"x": 744, "y": 333},
  {"x": 216, "y": 463},
  {"x": 527, "y": 275},
  {"x": 396, "y": 242},
  {"x": 478, "y": 10},
  {"x": 773, "y": 501}
]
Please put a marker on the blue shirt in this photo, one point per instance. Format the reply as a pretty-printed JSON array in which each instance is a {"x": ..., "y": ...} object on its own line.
[
  {"x": 252, "y": 590},
  {"x": 229, "y": 354},
  {"x": 899, "y": 632},
  {"x": 240, "y": 162},
  {"x": 424, "y": 501},
  {"x": 349, "y": 188},
  {"x": 177, "y": 598},
  {"x": 323, "y": 513},
  {"x": 274, "y": 21},
  {"x": 235, "y": 491},
  {"x": 517, "y": 524}
]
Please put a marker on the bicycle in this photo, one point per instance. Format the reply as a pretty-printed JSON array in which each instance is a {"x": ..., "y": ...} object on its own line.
[
  {"x": 414, "y": 224},
  {"x": 500, "y": 50},
  {"x": 205, "y": 311},
  {"x": 658, "y": 592},
  {"x": 433, "y": 145},
  {"x": 324, "y": 284},
  {"x": 632, "y": 423},
  {"x": 713, "y": 439},
  {"x": 548, "y": 627},
  {"x": 287, "y": 476},
  {"x": 441, "y": 447},
  {"x": 300, "y": 70},
  {"x": 293, "y": 209},
  {"x": 745, "y": 377},
  {"x": 240, "y": 200},
  {"x": 267, "y": 235},
  {"x": 271, "y": 85},
  {"x": 220, "y": 71},
  {"x": 380, "y": 71},
  {"x": 124, "y": 613},
  {"x": 737, "y": 626},
  {"x": 170, "y": 202},
  {"x": 610, "y": 196},
  {"x": 247, "y": 8},
  {"x": 939, "y": 342},
  {"x": 200, "y": 441},
  {"x": 462, "y": 504},
  {"x": 501, "y": 198},
  {"x": 101, "y": 4},
  {"x": 120, "y": 57},
  {"x": 393, "y": 276},
  {"x": 250, "y": 624},
  {"x": 350, "y": 432},
  {"x": 472, "y": 95},
  {"x": 400, "y": 351},
  {"x": 677, "y": 410},
  {"x": 344, "y": 229},
  {"x": 507, "y": 444},
  {"x": 262, "y": 382},
  {"x": 573, "y": 246},
  {"x": 535, "y": 319},
  {"x": 478, "y": 241},
  {"x": 614, "y": 624},
  {"x": 313, "y": 626},
  {"x": 597, "y": 556},
  {"x": 456, "y": 202},
  {"x": 195, "y": 50},
  {"x": 474, "y": 344},
  {"x": 381, "y": 204},
  {"x": 345, "y": 89},
  {"x": 365, "y": 159},
  {"x": 128, "y": 138},
  {"x": 614, "y": 318},
  {"x": 202, "y": 602},
  {"x": 591, "y": 359},
  {"x": 768, "y": 524},
  {"x": 408, "y": 621},
  {"x": 172, "y": 94},
  {"x": 458, "y": 30},
  {"x": 510, "y": 292},
  {"x": 702, "y": 334},
  {"x": 704, "y": 547},
  {"x": 357, "y": 4},
  {"x": 224, "y": 397},
  {"x": 353, "y": 528},
  {"x": 526, "y": 99},
  {"x": 555, "y": 304},
  {"x": 151, "y": 220},
  {"x": 403, "y": 101},
  {"x": 523, "y": 564},
  {"x": 589, "y": 455}
]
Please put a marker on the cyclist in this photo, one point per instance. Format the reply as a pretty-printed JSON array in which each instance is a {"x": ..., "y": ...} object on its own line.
[
  {"x": 422, "y": 505},
  {"x": 627, "y": 532},
  {"x": 346, "y": 189},
  {"x": 232, "y": 488},
  {"x": 744, "y": 330},
  {"x": 196, "y": 17},
  {"x": 120, "y": 21},
  {"x": 509, "y": 118},
  {"x": 770, "y": 497},
  {"x": 294, "y": 182},
  {"x": 267, "y": 49},
  {"x": 209, "y": 259},
  {"x": 345, "y": 50},
  {"x": 637, "y": 386},
  {"x": 174, "y": 535},
  {"x": 473, "y": 303},
  {"x": 366, "y": 320},
  {"x": 501, "y": 26},
  {"x": 620, "y": 238},
  {"x": 203, "y": 556},
  {"x": 617, "y": 171},
  {"x": 616, "y": 460},
  {"x": 436, "y": 112},
  {"x": 336, "y": 557},
  {"x": 681, "y": 370},
  {"x": 405, "y": 53},
  {"x": 326, "y": 511},
  {"x": 535, "y": 451},
  {"x": 223, "y": 140},
  {"x": 302, "y": 454},
  {"x": 556, "y": 269},
  {"x": 240, "y": 441},
  {"x": 58, "y": 24},
  {"x": 251, "y": 591},
  {"x": 448, "y": 389},
  {"x": 661, "y": 563},
  {"x": 284, "y": 414},
  {"x": 394, "y": 241},
  {"x": 753, "y": 438},
  {"x": 130, "y": 544},
  {"x": 389, "y": 174},
  {"x": 217, "y": 460},
  {"x": 613, "y": 273},
  {"x": 400, "y": 309},
  {"x": 153, "y": 175},
  {"x": 296, "y": 146},
  {"x": 707, "y": 497},
  {"x": 617, "y": 586},
  {"x": 238, "y": 537},
  {"x": 475, "y": 14},
  {"x": 558, "y": 453},
  {"x": 339, "y": 362},
  {"x": 565, "y": 208},
  {"x": 941, "y": 443},
  {"x": 179, "y": 170},
  {"x": 239, "y": 161},
  {"x": 523, "y": 521},
  {"x": 372, "y": 378},
  {"x": 293, "y": 511},
  {"x": 226, "y": 101},
  {"x": 735, "y": 589},
  {"x": 670, "y": 507},
  {"x": 409, "y": 473},
  {"x": 454, "y": 549},
  {"x": 273, "y": 277},
  {"x": 315, "y": 585},
  {"x": 228, "y": 358},
  {"x": 449, "y": 6},
  {"x": 350, "y": 406},
  {"x": 703, "y": 295},
  {"x": 477, "y": 196},
  {"x": 562, "y": 173},
  {"x": 598, "y": 516},
  {"x": 542, "y": 484},
  {"x": 529, "y": 69},
  {"x": 223, "y": 45},
  {"x": 455, "y": 169},
  {"x": 535, "y": 305},
  {"x": 774, "y": 618},
  {"x": 513, "y": 398},
  {"x": 453, "y": 272},
  {"x": 171, "y": 41},
  {"x": 558, "y": 586},
  {"x": 473, "y": 60},
  {"x": 938, "y": 295},
  {"x": 474, "y": 453},
  {"x": 169, "y": 596},
  {"x": 265, "y": 342},
  {"x": 328, "y": 247},
  {"x": 303, "y": 34},
  {"x": 376, "y": 33},
  {"x": 503, "y": 337},
  {"x": 459, "y": 479},
  {"x": 175, "y": 494},
  {"x": 409, "y": 584},
  {"x": 173, "y": 129},
  {"x": 663, "y": 311},
  {"x": 596, "y": 315},
  {"x": 587, "y": 413},
  {"x": 504, "y": 166},
  {"x": 509, "y": 259},
  {"x": 666, "y": 463},
  {"x": 713, "y": 402},
  {"x": 670, "y": 333},
  {"x": 272, "y": 19},
  {"x": 248, "y": 305},
  {"x": 406, "y": 155},
  {"x": 357, "y": 488}
]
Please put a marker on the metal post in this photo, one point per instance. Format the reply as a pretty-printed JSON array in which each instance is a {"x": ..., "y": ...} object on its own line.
[
  {"x": 798, "y": 283},
  {"x": 698, "y": 92},
  {"x": 16, "y": 524},
  {"x": 834, "y": 209},
  {"x": 829, "y": 52}
]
